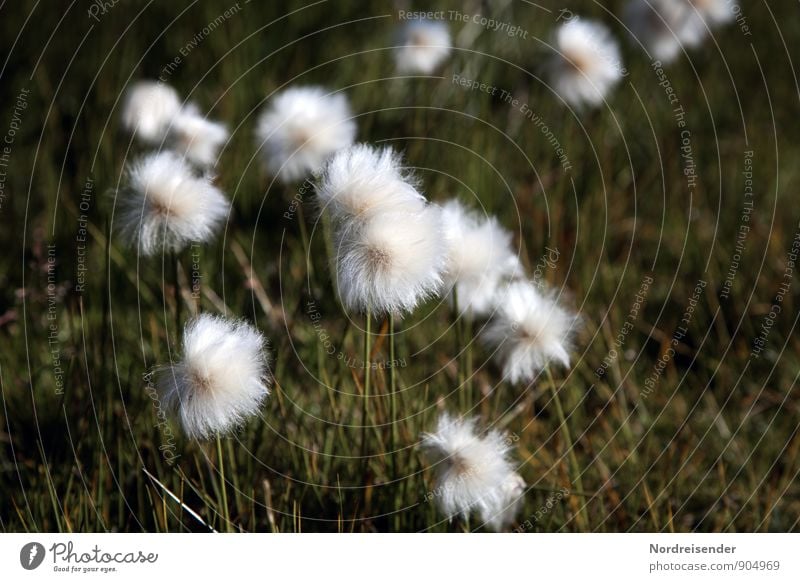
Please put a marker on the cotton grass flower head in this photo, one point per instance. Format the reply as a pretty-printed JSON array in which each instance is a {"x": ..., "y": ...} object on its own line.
[
  {"x": 148, "y": 109},
  {"x": 528, "y": 331},
  {"x": 363, "y": 181},
  {"x": 424, "y": 45},
  {"x": 391, "y": 262},
  {"x": 196, "y": 137},
  {"x": 301, "y": 128},
  {"x": 222, "y": 379},
  {"x": 165, "y": 206},
  {"x": 665, "y": 26},
  {"x": 714, "y": 11},
  {"x": 480, "y": 258},
  {"x": 473, "y": 473},
  {"x": 700, "y": 16},
  {"x": 587, "y": 64},
  {"x": 658, "y": 25},
  {"x": 513, "y": 498}
]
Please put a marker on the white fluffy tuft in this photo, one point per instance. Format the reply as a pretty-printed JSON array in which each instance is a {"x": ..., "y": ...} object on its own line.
[
  {"x": 480, "y": 258},
  {"x": 715, "y": 11},
  {"x": 588, "y": 63},
  {"x": 362, "y": 181},
  {"x": 301, "y": 129},
  {"x": 699, "y": 16},
  {"x": 391, "y": 262},
  {"x": 657, "y": 24},
  {"x": 149, "y": 108},
  {"x": 473, "y": 473},
  {"x": 222, "y": 379},
  {"x": 166, "y": 206},
  {"x": 196, "y": 137},
  {"x": 528, "y": 331},
  {"x": 424, "y": 45},
  {"x": 664, "y": 26}
]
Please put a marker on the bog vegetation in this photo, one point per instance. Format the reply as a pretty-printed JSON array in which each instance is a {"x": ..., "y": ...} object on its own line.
[{"x": 338, "y": 269}]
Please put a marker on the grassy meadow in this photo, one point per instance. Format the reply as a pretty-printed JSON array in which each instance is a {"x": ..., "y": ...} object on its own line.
[{"x": 666, "y": 218}]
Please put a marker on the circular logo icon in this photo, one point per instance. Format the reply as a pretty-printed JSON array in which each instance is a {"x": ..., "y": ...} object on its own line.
[{"x": 31, "y": 555}]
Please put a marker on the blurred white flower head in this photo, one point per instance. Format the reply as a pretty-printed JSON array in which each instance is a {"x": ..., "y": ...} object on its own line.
[
  {"x": 700, "y": 16},
  {"x": 657, "y": 25},
  {"x": 222, "y": 379},
  {"x": 148, "y": 109},
  {"x": 301, "y": 128},
  {"x": 513, "y": 498},
  {"x": 392, "y": 262},
  {"x": 714, "y": 11},
  {"x": 587, "y": 63},
  {"x": 480, "y": 258},
  {"x": 196, "y": 137},
  {"x": 665, "y": 26},
  {"x": 423, "y": 46},
  {"x": 473, "y": 473},
  {"x": 528, "y": 331},
  {"x": 362, "y": 181},
  {"x": 165, "y": 206}
]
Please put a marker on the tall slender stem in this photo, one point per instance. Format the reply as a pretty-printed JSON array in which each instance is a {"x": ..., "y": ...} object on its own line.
[
  {"x": 176, "y": 289},
  {"x": 459, "y": 352},
  {"x": 393, "y": 403},
  {"x": 393, "y": 388},
  {"x": 573, "y": 460},
  {"x": 367, "y": 370},
  {"x": 301, "y": 221},
  {"x": 468, "y": 365},
  {"x": 196, "y": 280},
  {"x": 221, "y": 462}
]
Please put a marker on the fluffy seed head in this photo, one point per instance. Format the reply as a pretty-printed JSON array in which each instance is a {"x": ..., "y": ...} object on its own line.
[
  {"x": 473, "y": 473},
  {"x": 391, "y": 262},
  {"x": 701, "y": 15},
  {"x": 714, "y": 11},
  {"x": 528, "y": 331},
  {"x": 362, "y": 181},
  {"x": 222, "y": 379},
  {"x": 588, "y": 64},
  {"x": 148, "y": 109},
  {"x": 657, "y": 25},
  {"x": 424, "y": 45},
  {"x": 664, "y": 26},
  {"x": 165, "y": 206},
  {"x": 196, "y": 137},
  {"x": 301, "y": 129},
  {"x": 480, "y": 257},
  {"x": 513, "y": 498}
]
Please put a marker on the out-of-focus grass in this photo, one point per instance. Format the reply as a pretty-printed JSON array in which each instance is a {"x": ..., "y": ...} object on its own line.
[{"x": 712, "y": 447}]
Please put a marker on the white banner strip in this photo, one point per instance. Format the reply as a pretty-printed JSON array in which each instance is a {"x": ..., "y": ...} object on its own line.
[{"x": 388, "y": 557}]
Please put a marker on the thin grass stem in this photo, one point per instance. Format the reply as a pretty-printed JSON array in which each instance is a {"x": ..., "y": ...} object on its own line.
[
  {"x": 221, "y": 462},
  {"x": 367, "y": 350},
  {"x": 573, "y": 460}
]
